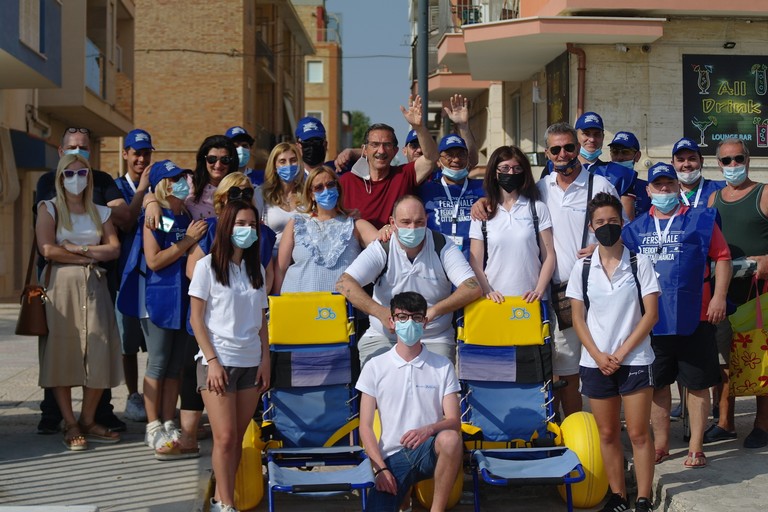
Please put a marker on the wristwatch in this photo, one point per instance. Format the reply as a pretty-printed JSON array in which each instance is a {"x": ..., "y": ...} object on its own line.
[{"x": 84, "y": 249}]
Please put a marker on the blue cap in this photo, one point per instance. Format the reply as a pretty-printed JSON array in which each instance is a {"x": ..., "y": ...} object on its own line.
[
  {"x": 238, "y": 132},
  {"x": 685, "y": 143},
  {"x": 138, "y": 139},
  {"x": 310, "y": 128},
  {"x": 661, "y": 170},
  {"x": 589, "y": 120},
  {"x": 451, "y": 141},
  {"x": 411, "y": 137},
  {"x": 626, "y": 139},
  {"x": 163, "y": 169}
]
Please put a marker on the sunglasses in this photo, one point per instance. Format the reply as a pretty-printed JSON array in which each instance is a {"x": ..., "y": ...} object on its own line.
[
  {"x": 506, "y": 169},
  {"x": 739, "y": 159},
  {"x": 403, "y": 317},
  {"x": 80, "y": 172},
  {"x": 72, "y": 129},
  {"x": 212, "y": 159},
  {"x": 234, "y": 193},
  {"x": 177, "y": 177},
  {"x": 623, "y": 151},
  {"x": 569, "y": 148},
  {"x": 329, "y": 185}
]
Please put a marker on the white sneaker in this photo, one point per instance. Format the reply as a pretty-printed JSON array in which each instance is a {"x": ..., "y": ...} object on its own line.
[
  {"x": 215, "y": 506},
  {"x": 155, "y": 435},
  {"x": 171, "y": 430},
  {"x": 228, "y": 508},
  {"x": 134, "y": 408}
]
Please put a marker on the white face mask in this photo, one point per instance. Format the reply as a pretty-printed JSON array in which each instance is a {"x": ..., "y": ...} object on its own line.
[
  {"x": 689, "y": 178},
  {"x": 76, "y": 184}
]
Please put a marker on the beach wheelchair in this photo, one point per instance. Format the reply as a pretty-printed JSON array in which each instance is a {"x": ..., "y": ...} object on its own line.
[
  {"x": 505, "y": 371},
  {"x": 310, "y": 414}
]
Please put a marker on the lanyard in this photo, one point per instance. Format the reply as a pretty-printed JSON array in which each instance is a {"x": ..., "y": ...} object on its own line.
[
  {"x": 663, "y": 235},
  {"x": 455, "y": 206},
  {"x": 130, "y": 183},
  {"x": 696, "y": 199}
]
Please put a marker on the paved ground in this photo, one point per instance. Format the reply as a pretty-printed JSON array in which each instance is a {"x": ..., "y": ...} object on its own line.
[{"x": 37, "y": 472}]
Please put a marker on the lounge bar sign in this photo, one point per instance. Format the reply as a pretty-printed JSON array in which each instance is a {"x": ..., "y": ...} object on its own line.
[{"x": 726, "y": 96}]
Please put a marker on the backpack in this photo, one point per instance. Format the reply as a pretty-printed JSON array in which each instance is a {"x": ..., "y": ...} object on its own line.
[{"x": 585, "y": 280}]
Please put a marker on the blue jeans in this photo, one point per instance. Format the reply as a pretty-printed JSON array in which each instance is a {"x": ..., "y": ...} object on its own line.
[{"x": 408, "y": 467}]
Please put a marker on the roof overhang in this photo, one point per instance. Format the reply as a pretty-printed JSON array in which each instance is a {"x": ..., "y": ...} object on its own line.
[
  {"x": 513, "y": 50},
  {"x": 442, "y": 85}
]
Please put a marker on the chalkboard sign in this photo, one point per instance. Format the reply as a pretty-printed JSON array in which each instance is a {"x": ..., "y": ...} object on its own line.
[{"x": 725, "y": 96}]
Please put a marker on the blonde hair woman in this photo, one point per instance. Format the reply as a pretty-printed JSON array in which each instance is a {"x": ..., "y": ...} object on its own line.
[{"x": 283, "y": 180}]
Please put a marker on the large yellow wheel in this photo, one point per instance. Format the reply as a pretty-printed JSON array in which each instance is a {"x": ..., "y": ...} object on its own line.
[
  {"x": 580, "y": 434},
  {"x": 426, "y": 488},
  {"x": 249, "y": 480}
]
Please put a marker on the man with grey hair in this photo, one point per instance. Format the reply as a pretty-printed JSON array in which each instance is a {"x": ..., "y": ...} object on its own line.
[{"x": 743, "y": 208}]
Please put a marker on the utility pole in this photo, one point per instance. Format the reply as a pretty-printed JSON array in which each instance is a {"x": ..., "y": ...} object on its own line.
[{"x": 422, "y": 53}]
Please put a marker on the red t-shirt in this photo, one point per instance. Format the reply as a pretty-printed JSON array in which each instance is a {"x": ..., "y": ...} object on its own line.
[{"x": 375, "y": 199}]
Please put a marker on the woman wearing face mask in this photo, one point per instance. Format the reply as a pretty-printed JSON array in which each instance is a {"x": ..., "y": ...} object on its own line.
[
  {"x": 283, "y": 180},
  {"x": 321, "y": 241},
  {"x": 83, "y": 345},
  {"x": 162, "y": 306},
  {"x": 228, "y": 304},
  {"x": 518, "y": 232},
  {"x": 613, "y": 317}
]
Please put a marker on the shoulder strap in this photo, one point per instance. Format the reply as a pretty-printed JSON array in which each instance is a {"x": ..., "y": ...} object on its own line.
[
  {"x": 633, "y": 265},
  {"x": 585, "y": 281},
  {"x": 31, "y": 262},
  {"x": 590, "y": 185},
  {"x": 484, "y": 229},
  {"x": 535, "y": 217}
]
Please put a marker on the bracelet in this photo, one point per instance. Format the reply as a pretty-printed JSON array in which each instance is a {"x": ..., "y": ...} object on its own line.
[
  {"x": 148, "y": 203},
  {"x": 376, "y": 473},
  {"x": 211, "y": 359}
]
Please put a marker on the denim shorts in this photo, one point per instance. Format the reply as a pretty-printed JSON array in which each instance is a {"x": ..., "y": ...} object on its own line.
[
  {"x": 408, "y": 466},
  {"x": 625, "y": 380}
]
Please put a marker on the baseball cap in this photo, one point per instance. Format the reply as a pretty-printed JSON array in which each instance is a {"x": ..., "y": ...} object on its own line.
[
  {"x": 589, "y": 120},
  {"x": 163, "y": 169},
  {"x": 411, "y": 137},
  {"x": 138, "y": 139},
  {"x": 238, "y": 132},
  {"x": 626, "y": 139},
  {"x": 310, "y": 128},
  {"x": 451, "y": 141},
  {"x": 685, "y": 143},
  {"x": 661, "y": 170}
]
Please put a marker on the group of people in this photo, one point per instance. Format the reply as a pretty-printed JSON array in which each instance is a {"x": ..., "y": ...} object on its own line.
[{"x": 180, "y": 262}]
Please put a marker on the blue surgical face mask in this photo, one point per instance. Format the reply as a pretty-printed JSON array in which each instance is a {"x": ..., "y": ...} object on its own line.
[
  {"x": 411, "y": 237},
  {"x": 327, "y": 198},
  {"x": 79, "y": 152},
  {"x": 629, "y": 164},
  {"x": 455, "y": 175},
  {"x": 665, "y": 203},
  {"x": 591, "y": 157},
  {"x": 243, "y": 155},
  {"x": 244, "y": 236},
  {"x": 409, "y": 332},
  {"x": 288, "y": 173},
  {"x": 180, "y": 189},
  {"x": 735, "y": 175},
  {"x": 566, "y": 169}
]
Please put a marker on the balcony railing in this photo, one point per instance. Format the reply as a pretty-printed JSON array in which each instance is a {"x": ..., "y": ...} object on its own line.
[
  {"x": 95, "y": 70},
  {"x": 455, "y": 13}
]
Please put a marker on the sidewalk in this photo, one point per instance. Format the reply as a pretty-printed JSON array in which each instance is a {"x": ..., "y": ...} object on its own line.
[{"x": 37, "y": 470}]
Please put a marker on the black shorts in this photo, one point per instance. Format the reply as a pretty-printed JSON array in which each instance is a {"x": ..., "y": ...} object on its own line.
[
  {"x": 691, "y": 360},
  {"x": 239, "y": 378},
  {"x": 623, "y": 381}
]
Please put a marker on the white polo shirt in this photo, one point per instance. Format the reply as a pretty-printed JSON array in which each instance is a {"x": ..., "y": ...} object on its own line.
[
  {"x": 408, "y": 395},
  {"x": 232, "y": 313},
  {"x": 513, "y": 252},
  {"x": 568, "y": 209},
  {"x": 614, "y": 307},
  {"x": 424, "y": 275}
]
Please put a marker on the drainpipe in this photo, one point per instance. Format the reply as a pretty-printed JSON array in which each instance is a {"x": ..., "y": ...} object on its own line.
[{"x": 582, "y": 68}]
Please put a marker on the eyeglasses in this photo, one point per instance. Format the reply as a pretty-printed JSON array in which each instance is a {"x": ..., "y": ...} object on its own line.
[
  {"x": 385, "y": 145},
  {"x": 453, "y": 158},
  {"x": 80, "y": 172},
  {"x": 569, "y": 148},
  {"x": 507, "y": 169},
  {"x": 328, "y": 185},
  {"x": 403, "y": 317},
  {"x": 739, "y": 159},
  {"x": 623, "y": 151},
  {"x": 72, "y": 129},
  {"x": 225, "y": 160},
  {"x": 246, "y": 194}
]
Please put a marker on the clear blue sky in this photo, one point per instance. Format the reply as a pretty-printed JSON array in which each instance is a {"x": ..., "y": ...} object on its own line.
[{"x": 375, "y": 38}]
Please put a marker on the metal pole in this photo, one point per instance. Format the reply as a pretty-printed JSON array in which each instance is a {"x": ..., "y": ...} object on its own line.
[{"x": 422, "y": 53}]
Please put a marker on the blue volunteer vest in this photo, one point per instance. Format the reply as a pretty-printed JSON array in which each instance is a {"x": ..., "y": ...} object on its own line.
[
  {"x": 708, "y": 187},
  {"x": 680, "y": 265},
  {"x": 440, "y": 208},
  {"x": 622, "y": 179}
]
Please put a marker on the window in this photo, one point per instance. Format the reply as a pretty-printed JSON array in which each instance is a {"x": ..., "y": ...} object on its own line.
[
  {"x": 316, "y": 114},
  {"x": 315, "y": 72},
  {"x": 30, "y": 19}
]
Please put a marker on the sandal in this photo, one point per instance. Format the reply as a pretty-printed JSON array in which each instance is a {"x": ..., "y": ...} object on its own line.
[
  {"x": 661, "y": 456},
  {"x": 99, "y": 433},
  {"x": 695, "y": 460},
  {"x": 74, "y": 439},
  {"x": 173, "y": 450}
]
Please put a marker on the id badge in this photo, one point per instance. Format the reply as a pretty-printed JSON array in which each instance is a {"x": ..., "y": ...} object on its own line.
[
  {"x": 457, "y": 240},
  {"x": 166, "y": 224}
]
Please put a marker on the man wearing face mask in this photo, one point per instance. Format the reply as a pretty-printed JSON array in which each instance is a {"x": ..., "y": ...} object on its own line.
[
  {"x": 449, "y": 200},
  {"x": 625, "y": 151},
  {"x": 695, "y": 190},
  {"x": 416, "y": 259},
  {"x": 681, "y": 241},
  {"x": 743, "y": 208},
  {"x": 76, "y": 140},
  {"x": 415, "y": 392},
  {"x": 313, "y": 145},
  {"x": 243, "y": 144}
]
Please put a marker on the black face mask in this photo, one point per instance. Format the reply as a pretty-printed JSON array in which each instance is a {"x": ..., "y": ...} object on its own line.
[
  {"x": 313, "y": 152},
  {"x": 608, "y": 234},
  {"x": 511, "y": 182}
]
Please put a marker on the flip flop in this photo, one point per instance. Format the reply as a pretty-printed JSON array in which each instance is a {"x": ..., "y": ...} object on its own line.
[
  {"x": 99, "y": 434},
  {"x": 661, "y": 456},
  {"x": 74, "y": 440},
  {"x": 173, "y": 450},
  {"x": 695, "y": 460}
]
